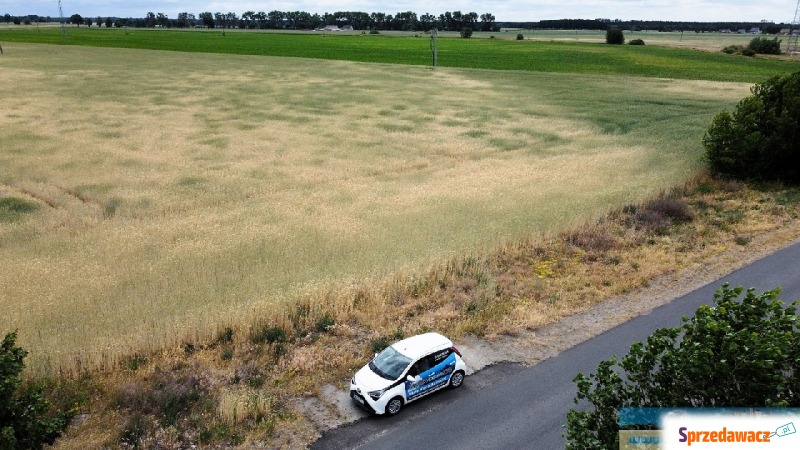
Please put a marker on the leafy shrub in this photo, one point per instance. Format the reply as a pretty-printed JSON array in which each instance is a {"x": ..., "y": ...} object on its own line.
[
  {"x": 760, "y": 139},
  {"x": 225, "y": 336},
  {"x": 466, "y": 32},
  {"x": 674, "y": 208},
  {"x": 636, "y": 42},
  {"x": 26, "y": 419},
  {"x": 167, "y": 396},
  {"x": 765, "y": 46},
  {"x": 733, "y": 49},
  {"x": 227, "y": 354},
  {"x": 520, "y": 36},
  {"x": 374, "y": 31},
  {"x": 270, "y": 335},
  {"x": 748, "y": 52},
  {"x": 732, "y": 354},
  {"x": 615, "y": 36},
  {"x": 324, "y": 323},
  {"x": 592, "y": 239},
  {"x": 658, "y": 215},
  {"x": 381, "y": 343}
]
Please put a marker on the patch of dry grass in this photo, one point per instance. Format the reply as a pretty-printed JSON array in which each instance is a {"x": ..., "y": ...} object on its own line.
[{"x": 180, "y": 194}]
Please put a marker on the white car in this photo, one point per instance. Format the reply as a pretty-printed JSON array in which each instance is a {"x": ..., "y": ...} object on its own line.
[{"x": 405, "y": 371}]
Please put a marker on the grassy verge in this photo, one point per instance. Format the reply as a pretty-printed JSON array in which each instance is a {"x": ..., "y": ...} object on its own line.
[
  {"x": 497, "y": 54},
  {"x": 245, "y": 389}
]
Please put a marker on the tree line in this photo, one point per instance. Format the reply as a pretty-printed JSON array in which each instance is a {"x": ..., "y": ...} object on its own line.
[
  {"x": 292, "y": 20},
  {"x": 652, "y": 25},
  {"x": 402, "y": 21}
]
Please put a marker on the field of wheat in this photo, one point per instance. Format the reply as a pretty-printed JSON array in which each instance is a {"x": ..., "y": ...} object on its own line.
[{"x": 151, "y": 198}]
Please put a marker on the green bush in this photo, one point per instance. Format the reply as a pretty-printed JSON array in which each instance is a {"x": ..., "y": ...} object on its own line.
[
  {"x": 759, "y": 140},
  {"x": 733, "y": 49},
  {"x": 732, "y": 354},
  {"x": 765, "y": 46},
  {"x": 636, "y": 42},
  {"x": 324, "y": 323},
  {"x": 748, "y": 52},
  {"x": 26, "y": 419},
  {"x": 270, "y": 335},
  {"x": 520, "y": 36},
  {"x": 615, "y": 36},
  {"x": 466, "y": 32}
]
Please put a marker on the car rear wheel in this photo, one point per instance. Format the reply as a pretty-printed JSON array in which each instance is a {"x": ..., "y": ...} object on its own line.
[
  {"x": 457, "y": 379},
  {"x": 394, "y": 406}
]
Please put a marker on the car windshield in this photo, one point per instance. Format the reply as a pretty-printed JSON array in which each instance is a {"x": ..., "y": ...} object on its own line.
[{"x": 389, "y": 363}]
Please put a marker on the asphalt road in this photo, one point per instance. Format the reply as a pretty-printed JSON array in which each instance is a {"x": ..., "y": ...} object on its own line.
[{"x": 510, "y": 406}]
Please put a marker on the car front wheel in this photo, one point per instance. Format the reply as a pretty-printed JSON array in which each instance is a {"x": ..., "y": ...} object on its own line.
[
  {"x": 456, "y": 379},
  {"x": 394, "y": 406}
]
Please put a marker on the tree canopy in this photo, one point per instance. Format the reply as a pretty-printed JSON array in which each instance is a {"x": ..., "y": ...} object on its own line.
[
  {"x": 25, "y": 418},
  {"x": 731, "y": 354},
  {"x": 761, "y": 139}
]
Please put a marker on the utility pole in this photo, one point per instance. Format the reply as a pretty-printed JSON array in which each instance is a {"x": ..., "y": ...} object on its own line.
[
  {"x": 794, "y": 31},
  {"x": 435, "y": 47},
  {"x": 61, "y": 15}
]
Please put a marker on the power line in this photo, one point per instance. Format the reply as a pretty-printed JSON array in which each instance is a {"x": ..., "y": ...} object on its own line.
[
  {"x": 64, "y": 27},
  {"x": 794, "y": 32}
]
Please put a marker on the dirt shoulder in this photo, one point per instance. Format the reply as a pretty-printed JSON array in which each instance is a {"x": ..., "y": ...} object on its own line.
[
  {"x": 532, "y": 347},
  {"x": 737, "y": 244}
]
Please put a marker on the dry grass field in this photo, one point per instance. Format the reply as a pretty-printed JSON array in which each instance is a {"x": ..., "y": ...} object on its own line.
[{"x": 170, "y": 195}]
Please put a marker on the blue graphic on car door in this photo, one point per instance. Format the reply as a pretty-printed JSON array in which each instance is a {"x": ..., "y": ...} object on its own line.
[{"x": 431, "y": 379}]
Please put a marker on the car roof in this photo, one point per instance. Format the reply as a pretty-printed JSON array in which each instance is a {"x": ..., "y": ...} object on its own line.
[{"x": 422, "y": 344}]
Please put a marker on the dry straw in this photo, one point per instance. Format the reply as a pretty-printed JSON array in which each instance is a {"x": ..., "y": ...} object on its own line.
[{"x": 179, "y": 194}]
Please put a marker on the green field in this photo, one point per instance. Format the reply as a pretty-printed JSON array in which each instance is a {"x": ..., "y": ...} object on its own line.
[
  {"x": 547, "y": 52},
  {"x": 173, "y": 193}
]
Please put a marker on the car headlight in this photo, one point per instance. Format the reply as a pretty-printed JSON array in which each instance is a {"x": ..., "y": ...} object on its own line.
[{"x": 375, "y": 395}]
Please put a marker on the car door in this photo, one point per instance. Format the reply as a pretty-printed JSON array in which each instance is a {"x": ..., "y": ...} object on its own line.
[
  {"x": 443, "y": 363},
  {"x": 430, "y": 373},
  {"x": 417, "y": 387}
]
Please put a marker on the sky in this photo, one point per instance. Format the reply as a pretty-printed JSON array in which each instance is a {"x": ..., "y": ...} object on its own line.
[{"x": 503, "y": 10}]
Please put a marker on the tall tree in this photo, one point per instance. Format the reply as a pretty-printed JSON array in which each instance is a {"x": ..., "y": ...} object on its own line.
[
  {"x": 162, "y": 20},
  {"x": 487, "y": 22},
  {"x": 183, "y": 20},
  {"x": 275, "y": 19},
  {"x": 76, "y": 19},
  {"x": 427, "y": 21},
  {"x": 208, "y": 19}
]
